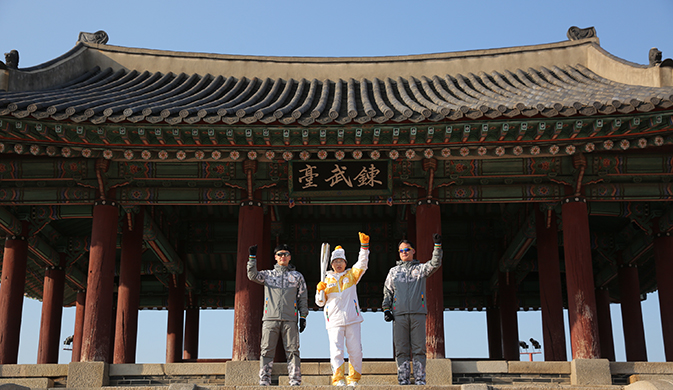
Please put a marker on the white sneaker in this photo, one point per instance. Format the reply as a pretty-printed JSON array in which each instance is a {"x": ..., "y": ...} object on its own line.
[
  {"x": 354, "y": 383},
  {"x": 340, "y": 383}
]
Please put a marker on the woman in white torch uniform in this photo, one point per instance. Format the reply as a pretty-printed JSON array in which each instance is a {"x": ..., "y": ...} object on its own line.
[{"x": 338, "y": 294}]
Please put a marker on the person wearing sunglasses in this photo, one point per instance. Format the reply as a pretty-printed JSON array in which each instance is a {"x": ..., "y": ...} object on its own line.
[
  {"x": 404, "y": 303},
  {"x": 285, "y": 303},
  {"x": 342, "y": 312}
]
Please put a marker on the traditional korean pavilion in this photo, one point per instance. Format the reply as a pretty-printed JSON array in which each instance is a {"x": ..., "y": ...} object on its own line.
[{"x": 134, "y": 179}]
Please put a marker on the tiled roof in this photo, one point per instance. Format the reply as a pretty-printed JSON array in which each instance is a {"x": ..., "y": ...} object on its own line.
[{"x": 105, "y": 95}]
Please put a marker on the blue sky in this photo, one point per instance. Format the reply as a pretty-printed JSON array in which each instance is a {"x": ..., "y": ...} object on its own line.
[{"x": 43, "y": 30}]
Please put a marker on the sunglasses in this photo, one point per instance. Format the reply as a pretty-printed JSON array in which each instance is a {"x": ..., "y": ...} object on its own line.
[
  {"x": 282, "y": 254},
  {"x": 405, "y": 250}
]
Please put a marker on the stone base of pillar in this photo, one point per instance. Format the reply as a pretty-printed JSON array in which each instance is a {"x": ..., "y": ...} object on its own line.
[
  {"x": 88, "y": 374},
  {"x": 590, "y": 372},
  {"x": 438, "y": 372},
  {"x": 242, "y": 373}
]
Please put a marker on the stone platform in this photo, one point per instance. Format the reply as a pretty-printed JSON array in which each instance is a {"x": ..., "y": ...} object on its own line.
[{"x": 445, "y": 374}]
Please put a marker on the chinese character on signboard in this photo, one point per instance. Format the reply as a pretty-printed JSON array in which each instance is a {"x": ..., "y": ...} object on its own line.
[{"x": 307, "y": 177}]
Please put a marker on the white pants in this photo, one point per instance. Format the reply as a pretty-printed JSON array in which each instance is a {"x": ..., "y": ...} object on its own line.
[{"x": 350, "y": 334}]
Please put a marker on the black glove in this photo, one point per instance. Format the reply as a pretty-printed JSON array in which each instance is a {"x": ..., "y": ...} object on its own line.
[
  {"x": 252, "y": 251},
  {"x": 302, "y": 324},
  {"x": 437, "y": 238},
  {"x": 388, "y": 316}
]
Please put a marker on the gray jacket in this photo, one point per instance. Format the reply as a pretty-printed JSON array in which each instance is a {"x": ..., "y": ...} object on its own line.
[
  {"x": 285, "y": 291},
  {"x": 404, "y": 289}
]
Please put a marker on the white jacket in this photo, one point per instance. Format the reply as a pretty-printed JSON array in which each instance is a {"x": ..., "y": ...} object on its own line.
[{"x": 342, "y": 306}]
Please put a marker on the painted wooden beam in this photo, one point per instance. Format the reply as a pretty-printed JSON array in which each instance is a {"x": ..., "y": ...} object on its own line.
[
  {"x": 9, "y": 223},
  {"x": 162, "y": 248},
  {"x": 165, "y": 252},
  {"x": 41, "y": 250},
  {"x": 519, "y": 245}
]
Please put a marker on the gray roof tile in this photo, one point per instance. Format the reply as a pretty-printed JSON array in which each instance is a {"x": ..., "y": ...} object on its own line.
[{"x": 104, "y": 95}]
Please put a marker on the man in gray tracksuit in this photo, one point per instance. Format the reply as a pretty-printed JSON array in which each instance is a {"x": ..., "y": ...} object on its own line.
[
  {"x": 404, "y": 302},
  {"x": 285, "y": 296}
]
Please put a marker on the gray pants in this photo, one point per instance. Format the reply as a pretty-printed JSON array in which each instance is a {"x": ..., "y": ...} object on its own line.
[
  {"x": 271, "y": 331},
  {"x": 409, "y": 340}
]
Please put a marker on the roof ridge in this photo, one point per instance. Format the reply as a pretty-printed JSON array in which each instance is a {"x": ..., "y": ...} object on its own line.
[{"x": 359, "y": 59}]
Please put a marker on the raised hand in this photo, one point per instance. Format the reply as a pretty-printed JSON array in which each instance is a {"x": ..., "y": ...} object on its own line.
[
  {"x": 252, "y": 251},
  {"x": 364, "y": 239},
  {"x": 437, "y": 238}
]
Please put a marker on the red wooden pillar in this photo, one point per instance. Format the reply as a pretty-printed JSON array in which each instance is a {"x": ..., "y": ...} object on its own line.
[
  {"x": 580, "y": 279},
  {"x": 14, "y": 263},
  {"x": 113, "y": 326},
  {"x": 80, "y": 306},
  {"x": 605, "y": 324},
  {"x": 96, "y": 338},
  {"x": 249, "y": 296},
  {"x": 176, "y": 315},
  {"x": 52, "y": 312},
  {"x": 509, "y": 307},
  {"x": 632, "y": 314},
  {"x": 128, "y": 292},
  {"x": 494, "y": 333},
  {"x": 663, "y": 257},
  {"x": 429, "y": 222},
  {"x": 191, "y": 347},
  {"x": 551, "y": 294}
]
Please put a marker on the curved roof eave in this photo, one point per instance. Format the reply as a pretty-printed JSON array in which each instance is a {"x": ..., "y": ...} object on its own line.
[
  {"x": 587, "y": 52},
  {"x": 100, "y": 83}
]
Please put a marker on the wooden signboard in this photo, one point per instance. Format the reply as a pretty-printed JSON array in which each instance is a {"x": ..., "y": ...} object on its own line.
[{"x": 340, "y": 178}]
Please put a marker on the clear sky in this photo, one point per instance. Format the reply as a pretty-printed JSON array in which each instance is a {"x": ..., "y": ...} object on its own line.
[{"x": 43, "y": 30}]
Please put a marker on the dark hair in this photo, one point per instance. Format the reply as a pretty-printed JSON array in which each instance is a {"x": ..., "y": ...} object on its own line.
[
  {"x": 406, "y": 242},
  {"x": 282, "y": 247}
]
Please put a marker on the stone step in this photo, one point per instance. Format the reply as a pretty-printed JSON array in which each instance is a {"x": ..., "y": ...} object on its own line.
[
  {"x": 182, "y": 386},
  {"x": 324, "y": 368},
  {"x": 584, "y": 374},
  {"x": 373, "y": 373},
  {"x": 325, "y": 380},
  {"x": 367, "y": 380}
]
